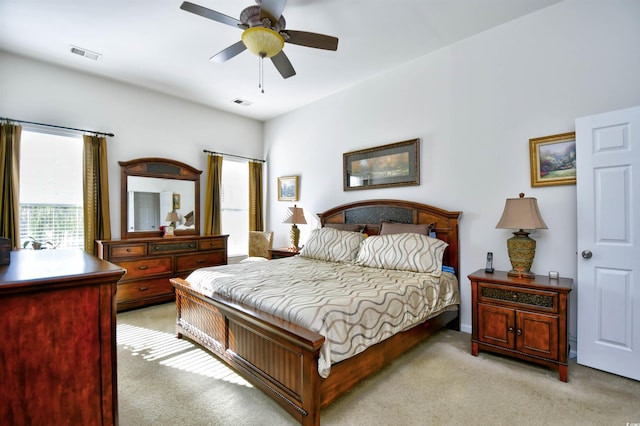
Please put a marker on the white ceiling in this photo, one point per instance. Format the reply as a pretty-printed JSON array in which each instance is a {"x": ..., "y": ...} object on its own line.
[{"x": 157, "y": 45}]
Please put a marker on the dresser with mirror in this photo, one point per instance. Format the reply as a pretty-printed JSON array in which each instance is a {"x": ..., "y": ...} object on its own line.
[{"x": 151, "y": 188}]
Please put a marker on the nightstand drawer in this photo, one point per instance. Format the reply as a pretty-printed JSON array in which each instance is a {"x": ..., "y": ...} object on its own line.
[{"x": 515, "y": 296}]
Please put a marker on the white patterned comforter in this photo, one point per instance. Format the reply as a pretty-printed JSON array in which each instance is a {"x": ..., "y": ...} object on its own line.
[{"x": 353, "y": 307}]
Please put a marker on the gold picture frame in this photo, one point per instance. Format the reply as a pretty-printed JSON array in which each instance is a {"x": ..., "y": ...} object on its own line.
[
  {"x": 553, "y": 160},
  {"x": 288, "y": 188}
]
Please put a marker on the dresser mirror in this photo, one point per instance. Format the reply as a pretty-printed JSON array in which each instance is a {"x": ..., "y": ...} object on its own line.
[{"x": 151, "y": 188}]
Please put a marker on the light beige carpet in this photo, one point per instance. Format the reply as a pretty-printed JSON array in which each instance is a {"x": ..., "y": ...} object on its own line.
[{"x": 166, "y": 381}]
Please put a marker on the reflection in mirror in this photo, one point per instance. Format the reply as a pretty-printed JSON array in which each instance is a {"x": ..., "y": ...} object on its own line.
[
  {"x": 150, "y": 200},
  {"x": 151, "y": 189}
]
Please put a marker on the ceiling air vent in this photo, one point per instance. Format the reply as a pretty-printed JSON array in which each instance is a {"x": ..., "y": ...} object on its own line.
[
  {"x": 86, "y": 53},
  {"x": 241, "y": 102}
]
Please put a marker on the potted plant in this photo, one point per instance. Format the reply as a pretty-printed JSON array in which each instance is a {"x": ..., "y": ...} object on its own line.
[{"x": 37, "y": 245}]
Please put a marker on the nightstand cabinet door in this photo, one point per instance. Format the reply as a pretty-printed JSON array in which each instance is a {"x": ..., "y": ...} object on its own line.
[
  {"x": 496, "y": 325},
  {"x": 537, "y": 334}
]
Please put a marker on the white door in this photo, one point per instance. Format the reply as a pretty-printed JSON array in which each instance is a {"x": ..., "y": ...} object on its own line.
[{"x": 608, "y": 281}]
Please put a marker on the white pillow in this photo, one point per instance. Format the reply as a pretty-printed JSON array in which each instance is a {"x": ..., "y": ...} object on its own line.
[
  {"x": 403, "y": 252},
  {"x": 332, "y": 245}
]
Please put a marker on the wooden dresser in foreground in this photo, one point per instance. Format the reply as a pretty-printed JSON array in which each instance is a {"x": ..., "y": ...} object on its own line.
[
  {"x": 150, "y": 262},
  {"x": 522, "y": 318},
  {"x": 58, "y": 349}
]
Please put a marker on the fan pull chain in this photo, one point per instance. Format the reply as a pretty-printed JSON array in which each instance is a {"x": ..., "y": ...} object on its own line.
[{"x": 261, "y": 72}]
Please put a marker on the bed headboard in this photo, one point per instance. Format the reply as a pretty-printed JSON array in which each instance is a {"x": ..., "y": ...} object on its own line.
[{"x": 371, "y": 213}]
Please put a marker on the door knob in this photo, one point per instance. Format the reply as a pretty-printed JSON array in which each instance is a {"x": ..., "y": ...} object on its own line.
[{"x": 587, "y": 254}]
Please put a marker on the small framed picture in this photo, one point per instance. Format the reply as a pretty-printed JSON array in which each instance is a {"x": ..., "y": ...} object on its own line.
[
  {"x": 168, "y": 231},
  {"x": 553, "y": 160},
  {"x": 176, "y": 201},
  {"x": 288, "y": 188}
]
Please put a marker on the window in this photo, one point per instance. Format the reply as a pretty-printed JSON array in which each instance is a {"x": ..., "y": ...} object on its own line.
[
  {"x": 51, "y": 199},
  {"x": 235, "y": 205}
]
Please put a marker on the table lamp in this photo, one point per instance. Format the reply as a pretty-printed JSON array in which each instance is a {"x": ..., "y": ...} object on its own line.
[
  {"x": 172, "y": 217},
  {"x": 295, "y": 215},
  {"x": 521, "y": 213}
]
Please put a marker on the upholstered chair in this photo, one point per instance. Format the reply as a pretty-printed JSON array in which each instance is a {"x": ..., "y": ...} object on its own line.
[{"x": 259, "y": 244}]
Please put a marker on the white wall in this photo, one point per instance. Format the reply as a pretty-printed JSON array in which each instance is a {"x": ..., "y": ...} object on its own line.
[
  {"x": 474, "y": 106},
  {"x": 145, "y": 123}
]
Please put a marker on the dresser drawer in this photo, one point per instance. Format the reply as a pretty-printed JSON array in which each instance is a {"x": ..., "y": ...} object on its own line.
[
  {"x": 127, "y": 250},
  {"x": 172, "y": 246},
  {"x": 189, "y": 262},
  {"x": 515, "y": 296},
  {"x": 212, "y": 244},
  {"x": 146, "y": 267},
  {"x": 143, "y": 289}
]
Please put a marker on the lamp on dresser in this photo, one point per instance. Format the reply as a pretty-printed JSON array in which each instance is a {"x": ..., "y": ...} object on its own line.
[
  {"x": 521, "y": 213},
  {"x": 295, "y": 215},
  {"x": 172, "y": 217}
]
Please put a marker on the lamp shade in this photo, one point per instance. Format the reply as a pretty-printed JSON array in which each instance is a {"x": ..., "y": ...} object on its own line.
[
  {"x": 295, "y": 215},
  {"x": 521, "y": 213},
  {"x": 172, "y": 216},
  {"x": 263, "y": 42}
]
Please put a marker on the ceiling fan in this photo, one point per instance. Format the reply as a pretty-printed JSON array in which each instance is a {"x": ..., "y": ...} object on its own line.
[{"x": 264, "y": 33}]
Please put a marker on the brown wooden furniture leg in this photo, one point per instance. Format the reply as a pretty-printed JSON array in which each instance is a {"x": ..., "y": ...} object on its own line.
[{"x": 563, "y": 372}]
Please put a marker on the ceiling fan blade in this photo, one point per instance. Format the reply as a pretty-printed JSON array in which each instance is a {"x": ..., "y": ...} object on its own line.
[
  {"x": 210, "y": 14},
  {"x": 229, "y": 52},
  {"x": 283, "y": 65},
  {"x": 318, "y": 41},
  {"x": 272, "y": 9}
]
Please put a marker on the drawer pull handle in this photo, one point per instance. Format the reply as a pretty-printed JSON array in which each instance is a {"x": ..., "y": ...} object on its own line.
[
  {"x": 143, "y": 267},
  {"x": 200, "y": 260},
  {"x": 192, "y": 245},
  {"x": 510, "y": 330},
  {"x": 128, "y": 250},
  {"x": 519, "y": 332},
  {"x": 515, "y": 297},
  {"x": 144, "y": 288},
  {"x": 156, "y": 247}
]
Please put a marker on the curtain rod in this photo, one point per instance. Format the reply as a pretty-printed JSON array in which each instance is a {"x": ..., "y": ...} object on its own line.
[
  {"x": 232, "y": 155},
  {"x": 58, "y": 127}
]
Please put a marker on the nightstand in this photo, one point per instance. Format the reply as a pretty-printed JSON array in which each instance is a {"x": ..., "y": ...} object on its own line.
[
  {"x": 280, "y": 252},
  {"x": 522, "y": 318}
]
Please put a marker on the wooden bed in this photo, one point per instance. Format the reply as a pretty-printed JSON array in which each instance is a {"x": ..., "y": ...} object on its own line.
[{"x": 281, "y": 358}]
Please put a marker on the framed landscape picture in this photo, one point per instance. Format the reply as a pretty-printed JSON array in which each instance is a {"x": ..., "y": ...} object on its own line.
[
  {"x": 288, "y": 188},
  {"x": 396, "y": 164},
  {"x": 553, "y": 160}
]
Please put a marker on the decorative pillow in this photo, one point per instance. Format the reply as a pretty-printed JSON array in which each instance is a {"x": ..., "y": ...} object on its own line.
[
  {"x": 332, "y": 245},
  {"x": 403, "y": 252},
  {"x": 351, "y": 227},
  {"x": 388, "y": 228}
]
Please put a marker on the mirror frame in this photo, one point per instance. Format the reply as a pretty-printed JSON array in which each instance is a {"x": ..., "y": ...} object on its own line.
[{"x": 156, "y": 168}]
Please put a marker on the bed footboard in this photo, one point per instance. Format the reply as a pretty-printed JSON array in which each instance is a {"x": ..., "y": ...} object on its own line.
[{"x": 279, "y": 358}]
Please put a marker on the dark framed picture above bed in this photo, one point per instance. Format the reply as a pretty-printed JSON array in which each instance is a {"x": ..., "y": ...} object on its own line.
[
  {"x": 396, "y": 164},
  {"x": 553, "y": 160},
  {"x": 288, "y": 188}
]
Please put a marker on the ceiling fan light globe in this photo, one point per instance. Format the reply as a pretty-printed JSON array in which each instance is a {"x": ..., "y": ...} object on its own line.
[{"x": 262, "y": 42}]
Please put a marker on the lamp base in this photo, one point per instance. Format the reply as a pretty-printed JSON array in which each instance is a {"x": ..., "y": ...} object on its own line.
[
  {"x": 522, "y": 250},
  {"x": 521, "y": 274},
  {"x": 294, "y": 235}
]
